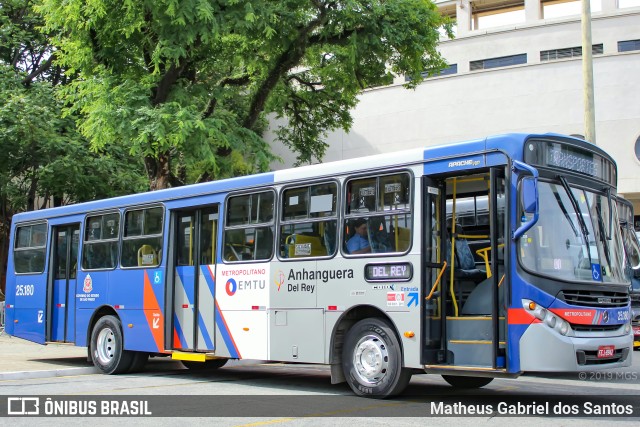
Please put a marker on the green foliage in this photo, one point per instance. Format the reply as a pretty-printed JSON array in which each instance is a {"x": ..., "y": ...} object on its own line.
[{"x": 188, "y": 84}]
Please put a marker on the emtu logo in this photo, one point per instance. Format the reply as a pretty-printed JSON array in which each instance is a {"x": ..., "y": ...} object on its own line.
[
  {"x": 231, "y": 287},
  {"x": 279, "y": 279}
]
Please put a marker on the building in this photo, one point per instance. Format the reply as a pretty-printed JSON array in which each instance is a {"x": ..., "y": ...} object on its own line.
[{"x": 514, "y": 66}]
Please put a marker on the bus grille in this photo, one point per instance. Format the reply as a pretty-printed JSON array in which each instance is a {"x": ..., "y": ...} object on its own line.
[
  {"x": 595, "y": 298},
  {"x": 595, "y": 328}
]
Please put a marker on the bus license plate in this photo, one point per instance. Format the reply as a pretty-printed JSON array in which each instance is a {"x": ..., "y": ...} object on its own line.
[{"x": 605, "y": 351}]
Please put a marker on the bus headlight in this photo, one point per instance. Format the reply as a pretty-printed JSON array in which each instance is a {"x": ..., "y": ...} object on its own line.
[
  {"x": 547, "y": 317},
  {"x": 627, "y": 328}
]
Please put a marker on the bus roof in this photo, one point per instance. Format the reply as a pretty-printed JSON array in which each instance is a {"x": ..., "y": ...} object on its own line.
[{"x": 511, "y": 144}]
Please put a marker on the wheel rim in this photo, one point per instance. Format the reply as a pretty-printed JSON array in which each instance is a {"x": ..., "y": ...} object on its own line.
[
  {"x": 371, "y": 359},
  {"x": 106, "y": 346}
]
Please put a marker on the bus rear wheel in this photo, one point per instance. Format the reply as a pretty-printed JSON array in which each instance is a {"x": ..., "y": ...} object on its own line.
[
  {"x": 201, "y": 366},
  {"x": 466, "y": 382},
  {"x": 107, "y": 347},
  {"x": 372, "y": 360}
]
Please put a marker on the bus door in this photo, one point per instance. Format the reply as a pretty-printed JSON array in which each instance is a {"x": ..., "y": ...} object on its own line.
[
  {"x": 193, "y": 324},
  {"x": 62, "y": 283},
  {"x": 465, "y": 271}
]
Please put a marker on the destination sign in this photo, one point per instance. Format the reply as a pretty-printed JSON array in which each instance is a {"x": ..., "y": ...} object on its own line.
[
  {"x": 564, "y": 156},
  {"x": 398, "y": 272}
]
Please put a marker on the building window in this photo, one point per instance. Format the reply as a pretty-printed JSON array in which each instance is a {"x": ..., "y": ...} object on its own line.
[
  {"x": 628, "y": 3},
  {"x": 488, "y": 16},
  {"x": 451, "y": 69},
  {"x": 504, "y": 61},
  {"x": 561, "y": 8},
  {"x": 628, "y": 45},
  {"x": 568, "y": 52}
]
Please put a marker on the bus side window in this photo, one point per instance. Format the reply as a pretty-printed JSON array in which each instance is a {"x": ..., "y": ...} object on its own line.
[
  {"x": 385, "y": 203},
  {"x": 308, "y": 221},
  {"x": 142, "y": 241},
  {"x": 248, "y": 232},
  {"x": 29, "y": 251}
]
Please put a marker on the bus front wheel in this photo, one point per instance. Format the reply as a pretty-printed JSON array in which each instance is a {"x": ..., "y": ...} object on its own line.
[
  {"x": 107, "y": 347},
  {"x": 372, "y": 360},
  {"x": 466, "y": 382}
]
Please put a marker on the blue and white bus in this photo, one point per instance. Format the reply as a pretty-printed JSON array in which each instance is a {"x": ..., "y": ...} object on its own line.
[{"x": 463, "y": 260}]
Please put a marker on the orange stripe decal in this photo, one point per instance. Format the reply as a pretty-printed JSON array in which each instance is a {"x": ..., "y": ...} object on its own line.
[{"x": 152, "y": 312}]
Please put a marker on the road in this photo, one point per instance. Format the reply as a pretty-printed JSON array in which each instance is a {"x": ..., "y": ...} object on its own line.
[{"x": 254, "y": 394}]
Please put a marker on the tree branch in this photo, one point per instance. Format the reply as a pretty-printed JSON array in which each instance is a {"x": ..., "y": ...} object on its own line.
[
  {"x": 287, "y": 60},
  {"x": 41, "y": 69}
]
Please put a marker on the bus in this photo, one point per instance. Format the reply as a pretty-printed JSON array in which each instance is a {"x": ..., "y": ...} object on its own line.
[
  {"x": 632, "y": 246},
  {"x": 462, "y": 260}
]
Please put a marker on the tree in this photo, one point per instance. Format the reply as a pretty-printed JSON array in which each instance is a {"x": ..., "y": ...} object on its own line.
[
  {"x": 44, "y": 158},
  {"x": 188, "y": 84}
]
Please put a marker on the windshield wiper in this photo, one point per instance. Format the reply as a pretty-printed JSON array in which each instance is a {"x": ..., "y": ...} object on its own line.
[
  {"x": 603, "y": 235},
  {"x": 564, "y": 211},
  {"x": 610, "y": 213},
  {"x": 581, "y": 221}
]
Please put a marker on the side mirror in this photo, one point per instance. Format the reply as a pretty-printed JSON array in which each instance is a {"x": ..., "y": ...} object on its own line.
[{"x": 530, "y": 194}]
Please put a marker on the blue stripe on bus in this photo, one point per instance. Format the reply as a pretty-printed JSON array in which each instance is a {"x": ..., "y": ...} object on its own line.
[
  {"x": 208, "y": 278},
  {"x": 188, "y": 290},
  {"x": 178, "y": 328},
  {"x": 205, "y": 333}
]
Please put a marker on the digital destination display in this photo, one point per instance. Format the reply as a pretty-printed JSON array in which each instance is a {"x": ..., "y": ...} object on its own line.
[
  {"x": 571, "y": 158},
  {"x": 398, "y": 272}
]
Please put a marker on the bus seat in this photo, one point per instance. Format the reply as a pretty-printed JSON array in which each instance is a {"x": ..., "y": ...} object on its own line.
[
  {"x": 301, "y": 245},
  {"x": 378, "y": 236},
  {"x": 147, "y": 256},
  {"x": 479, "y": 300},
  {"x": 465, "y": 265},
  {"x": 264, "y": 243},
  {"x": 404, "y": 239},
  {"x": 329, "y": 237}
]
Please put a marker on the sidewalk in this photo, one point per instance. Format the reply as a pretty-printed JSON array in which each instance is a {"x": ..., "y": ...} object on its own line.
[{"x": 20, "y": 359}]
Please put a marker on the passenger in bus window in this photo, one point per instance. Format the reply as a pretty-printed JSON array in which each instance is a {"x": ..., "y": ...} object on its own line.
[{"x": 359, "y": 242}]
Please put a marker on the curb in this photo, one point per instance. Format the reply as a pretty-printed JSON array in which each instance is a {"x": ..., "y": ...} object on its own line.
[{"x": 29, "y": 375}]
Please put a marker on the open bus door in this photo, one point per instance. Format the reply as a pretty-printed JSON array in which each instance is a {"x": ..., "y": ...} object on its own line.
[
  {"x": 193, "y": 319},
  {"x": 465, "y": 275},
  {"x": 61, "y": 296}
]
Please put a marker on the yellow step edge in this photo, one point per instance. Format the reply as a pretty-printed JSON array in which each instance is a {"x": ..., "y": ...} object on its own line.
[{"x": 192, "y": 357}]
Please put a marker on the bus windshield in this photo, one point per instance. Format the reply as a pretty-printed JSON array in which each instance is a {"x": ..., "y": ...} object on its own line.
[{"x": 574, "y": 239}]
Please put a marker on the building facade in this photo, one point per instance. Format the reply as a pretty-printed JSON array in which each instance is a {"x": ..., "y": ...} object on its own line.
[{"x": 512, "y": 70}]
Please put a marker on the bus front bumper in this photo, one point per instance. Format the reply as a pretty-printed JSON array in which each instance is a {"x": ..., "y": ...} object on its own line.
[{"x": 543, "y": 349}]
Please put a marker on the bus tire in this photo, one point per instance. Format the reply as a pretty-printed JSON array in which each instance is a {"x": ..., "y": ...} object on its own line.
[
  {"x": 466, "y": 382},
  {"x": 107, "y": 347},
  {"x": 202, "y": 366},
  {"x": 372, "y": 360},
  {"x": 139, "y": 361}
]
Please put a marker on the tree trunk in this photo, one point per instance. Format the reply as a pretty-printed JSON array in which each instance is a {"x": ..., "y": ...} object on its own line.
[{"x": 158, "y": 171}]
